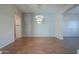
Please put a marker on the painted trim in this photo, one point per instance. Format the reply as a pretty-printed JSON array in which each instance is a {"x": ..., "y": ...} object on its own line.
[
  {"x": 36, "y": 36},
  {"x": 43, "y": 36},
  {"x": 6, "y": 44},
  {"x": 70, "y": 8}
]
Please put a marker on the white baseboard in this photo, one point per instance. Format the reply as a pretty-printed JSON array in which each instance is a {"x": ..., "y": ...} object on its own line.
[
  {"x": 3, "y": 45},
  {"x": 36, "y": 36},
  {"x": 70, "y": 36},
  {"x": 60, "y": 38}
]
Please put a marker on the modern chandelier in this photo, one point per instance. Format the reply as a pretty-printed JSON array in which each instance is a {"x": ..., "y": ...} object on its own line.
[{"x": 39, "y": 18}]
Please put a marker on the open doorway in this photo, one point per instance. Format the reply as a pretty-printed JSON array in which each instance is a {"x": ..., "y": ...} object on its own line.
[{"x": 17, "y": 27}]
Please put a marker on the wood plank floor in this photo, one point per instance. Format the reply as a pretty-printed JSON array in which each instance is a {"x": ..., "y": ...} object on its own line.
[{"x": 37, "y": 45}]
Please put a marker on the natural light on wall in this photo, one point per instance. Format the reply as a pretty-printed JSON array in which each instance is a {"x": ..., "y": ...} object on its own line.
[
  {"x": 39, "y": 18},
  {"x": 72, "y": 24}
]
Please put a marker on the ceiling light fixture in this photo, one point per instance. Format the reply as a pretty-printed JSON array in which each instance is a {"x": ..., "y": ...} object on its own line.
[{"x": 39, "y": 18}]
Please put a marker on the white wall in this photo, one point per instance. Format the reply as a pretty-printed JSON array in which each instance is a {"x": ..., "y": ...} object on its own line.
[
  {"x": 7, "y": 13},
  {"x": 54, "y": 25},
  {"x": 58, "y": 23},
  {"x": 46, "y": 29},
  {"x": 59, "y": 26},
  {"x": 71, "y": 28}
]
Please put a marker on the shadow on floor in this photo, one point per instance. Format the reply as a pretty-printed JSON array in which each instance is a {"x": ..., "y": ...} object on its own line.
[{"x": 72, "y": 42}]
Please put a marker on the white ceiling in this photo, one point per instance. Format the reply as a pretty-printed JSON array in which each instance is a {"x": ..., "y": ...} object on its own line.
[
  {"x": 74, "y": 10},
  {"x": 44, "y": 8}
]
